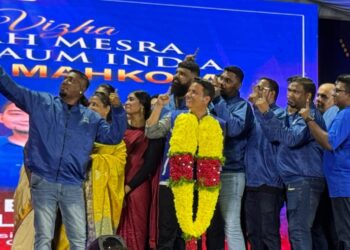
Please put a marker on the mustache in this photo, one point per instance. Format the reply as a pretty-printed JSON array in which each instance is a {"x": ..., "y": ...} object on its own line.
[{"x": 178, "y": 89}]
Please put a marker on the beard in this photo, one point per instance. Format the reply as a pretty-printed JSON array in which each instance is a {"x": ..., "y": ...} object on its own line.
[
  {"x": 178, "y": 89},
  {"x": 291, "y": 104},
  {"x": 62, "y": 94}
]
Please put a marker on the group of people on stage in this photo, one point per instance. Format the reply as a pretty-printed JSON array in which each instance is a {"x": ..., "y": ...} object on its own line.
[{"x": 195, "y": 161}]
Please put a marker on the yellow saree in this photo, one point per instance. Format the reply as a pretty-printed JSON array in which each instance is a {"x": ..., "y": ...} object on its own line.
[{"x": 104, "y": 193}]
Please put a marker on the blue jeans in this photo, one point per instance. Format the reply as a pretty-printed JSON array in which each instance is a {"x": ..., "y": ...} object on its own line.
[
  {"x": 46, "y": 198},
  {"x": 303, "y": 198},
  {"x": 232, "y": 188}
]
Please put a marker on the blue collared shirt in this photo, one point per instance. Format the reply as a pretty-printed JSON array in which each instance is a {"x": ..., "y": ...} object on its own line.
[
  {"x": 239, "y": 118},
  {"x": 337, "y": 161},
  {"x": 329, "y": 115},
  {"x": 261, "y": 155},
  {"x": 61, "y": 138},
  {"x": 299, "y": 155}
]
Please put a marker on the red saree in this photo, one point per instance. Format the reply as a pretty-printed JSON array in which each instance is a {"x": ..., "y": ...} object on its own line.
[{"x": 133, "y": 226}]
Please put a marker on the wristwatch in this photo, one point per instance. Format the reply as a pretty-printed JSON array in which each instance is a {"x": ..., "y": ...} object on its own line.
[{"x": 309, "y": 118}]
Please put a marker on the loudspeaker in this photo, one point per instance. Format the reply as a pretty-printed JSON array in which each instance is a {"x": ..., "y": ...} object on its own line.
[{"x": 108, "y": 242}]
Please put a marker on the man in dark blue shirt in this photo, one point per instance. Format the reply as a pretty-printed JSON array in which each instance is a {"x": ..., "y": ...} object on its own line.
[
  {"x": 325, "y": 102},
  {"x": 299, "y": 159},
  {"x": 337, "y": 158},
  {"x": 323, "y": 229},
  {"x": 264, "y": 186},
  {"x": 238, "y": 115},
  {"x": 62, "y": 133}
]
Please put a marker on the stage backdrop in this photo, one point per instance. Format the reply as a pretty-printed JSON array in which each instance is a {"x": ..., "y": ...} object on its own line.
[{"x": 138, "y": 44}]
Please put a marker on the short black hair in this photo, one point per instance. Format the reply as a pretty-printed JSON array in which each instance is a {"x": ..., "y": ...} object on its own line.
[
  {"x": 237, "y": 71},
  {"x": 208, "y": 88},
  {"x": 82, "y": 76},
  {"x": 113, "y": 243},
  {"x": 292, "y": 78},
  {"x": 308, "y": 85},
  {"x": 273, "y": 85},
  {"x": 344, "y": 78},
  {"x": 191, "y": 66}
]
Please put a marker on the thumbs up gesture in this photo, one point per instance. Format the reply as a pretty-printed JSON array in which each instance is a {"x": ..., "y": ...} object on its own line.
[{"x": 114, "y": 99}]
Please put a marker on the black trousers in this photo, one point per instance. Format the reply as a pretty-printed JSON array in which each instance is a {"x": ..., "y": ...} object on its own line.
[
  {"x": 324, "y": 236},
  {"x": 341, "y": 212},
  {"x": 262, "y": 215},
  {"x": 170, "y": 232},
  {"x": 215, "y": 237},
  {"x": 168, "y": 227}
]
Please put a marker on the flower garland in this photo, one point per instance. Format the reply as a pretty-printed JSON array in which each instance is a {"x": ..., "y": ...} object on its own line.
[{"x": 188, "y": 138}]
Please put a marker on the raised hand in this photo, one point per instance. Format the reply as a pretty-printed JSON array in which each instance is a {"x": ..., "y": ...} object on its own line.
[
  {"x": 192, "y": 57},
  {"x": 305, "y": 112},
  {"x": 261, "y": 102},
  {"x": 253, "y": 97},
  {"x": 114, "y": 99},
  {"x": 163, "y": 99},
  {"x": 217, "y": 85}
]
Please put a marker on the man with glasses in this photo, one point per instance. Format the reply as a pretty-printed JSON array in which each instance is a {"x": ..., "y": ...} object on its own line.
[
  {"x": 264, "y": 187},
  {"x": 323, "y": 230},
  {"x": 62, "y": 133},
  {"x": 336, "y": 143},
  {"x": 299, "y": 159}
]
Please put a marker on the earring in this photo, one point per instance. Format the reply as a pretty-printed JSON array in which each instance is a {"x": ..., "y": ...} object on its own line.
[{"x": 81, "y": 92}]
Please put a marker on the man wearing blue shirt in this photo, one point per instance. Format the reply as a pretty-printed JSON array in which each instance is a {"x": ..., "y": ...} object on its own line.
[
  {"x": 264, "y": 186},
  {"x": 323, "y": 230},
  {"x": 62, "y": 133},
  {"x": 325, "y": 102},
  {"x": 337, "y": 158},
  {"x": 238, "y": 115},
  {"x": 299, "y": 159}
]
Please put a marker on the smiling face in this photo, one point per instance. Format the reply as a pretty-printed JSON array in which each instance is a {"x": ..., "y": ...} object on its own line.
[
  {"x": 195, "y": 97},
  {"x": 133, "y": 105},
  {"x": 15, "y": 119}
]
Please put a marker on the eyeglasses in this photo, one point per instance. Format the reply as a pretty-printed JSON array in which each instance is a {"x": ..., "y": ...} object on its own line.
[
  {"x": 260, "y": 88},
  {"x": 340, "y": 90}
]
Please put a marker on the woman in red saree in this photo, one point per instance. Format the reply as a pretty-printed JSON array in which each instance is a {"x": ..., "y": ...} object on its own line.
[{"x": 143, "y": 158}]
